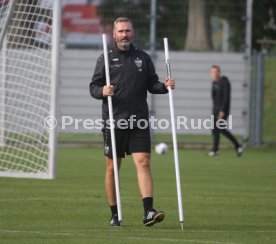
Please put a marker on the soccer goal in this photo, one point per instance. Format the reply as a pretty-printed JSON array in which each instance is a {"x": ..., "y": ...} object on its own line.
[{"x": 29, "y": 58}]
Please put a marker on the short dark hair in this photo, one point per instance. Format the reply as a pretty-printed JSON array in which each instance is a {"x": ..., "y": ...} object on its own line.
[
  {"x": 122, "y": 19},
  {"x": 214, "y": 66}
]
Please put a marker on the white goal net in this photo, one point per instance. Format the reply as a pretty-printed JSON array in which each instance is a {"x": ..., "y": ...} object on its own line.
[{"x": 29, "y": 37}]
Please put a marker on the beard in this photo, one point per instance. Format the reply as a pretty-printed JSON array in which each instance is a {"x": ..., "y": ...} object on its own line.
[{"x": 124, "y": 43}]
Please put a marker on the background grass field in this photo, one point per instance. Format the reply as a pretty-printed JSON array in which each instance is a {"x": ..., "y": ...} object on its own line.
[{"x": 226, "y": 200}]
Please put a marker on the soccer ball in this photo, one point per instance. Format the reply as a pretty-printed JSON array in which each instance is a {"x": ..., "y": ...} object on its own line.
[{"x": 161, "y": 148}]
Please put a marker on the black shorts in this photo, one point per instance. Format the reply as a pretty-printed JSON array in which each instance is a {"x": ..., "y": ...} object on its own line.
[{"x": 128, "y": 141}]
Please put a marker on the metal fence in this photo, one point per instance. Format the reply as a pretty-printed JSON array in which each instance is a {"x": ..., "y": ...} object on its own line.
[
  {"x": 263, "y": 99},
  {"x": 191, "y": 25},
  {"x": 192, "y": 98},
  {"x": 269, "y": 109},
  {"x": 200, "y": 26}
]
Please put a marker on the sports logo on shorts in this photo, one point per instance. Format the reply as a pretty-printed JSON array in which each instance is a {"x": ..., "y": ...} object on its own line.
[
  {"x": 106, "y": 149},
  {"x": 138, "y": 63}
]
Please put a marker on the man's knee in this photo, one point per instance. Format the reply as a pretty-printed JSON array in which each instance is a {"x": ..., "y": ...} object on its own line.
[
  {"x": 142, "y": 160},
  {"x": 110, "y": 164}
]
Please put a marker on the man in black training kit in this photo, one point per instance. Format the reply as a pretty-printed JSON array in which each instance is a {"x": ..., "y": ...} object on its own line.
[
  {"x": 221, "y": 94},
  {"x": 132, "y": 74}
]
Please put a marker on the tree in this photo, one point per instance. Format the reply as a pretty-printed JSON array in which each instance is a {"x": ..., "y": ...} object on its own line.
[
  {"x": 198, "y": 34},
  {"x": 171, "y": 21},
  {"x": 264, "y": 15},
  {"x": 135, "y": 10},
  {"x": 264, "y": 21},
  {"x": 234, "y": 13},
  {"x": 189, "y": 21}
]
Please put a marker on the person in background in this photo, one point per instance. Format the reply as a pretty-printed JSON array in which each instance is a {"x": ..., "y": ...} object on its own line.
[{"x": 221, "y": 96}]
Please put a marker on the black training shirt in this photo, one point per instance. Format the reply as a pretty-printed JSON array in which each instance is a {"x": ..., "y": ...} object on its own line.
[
  {"x": 221, "y": 91},
  {"x": 132, "y": 74}
]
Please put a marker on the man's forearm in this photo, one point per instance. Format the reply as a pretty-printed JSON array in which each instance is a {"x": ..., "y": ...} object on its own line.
[{"x": 96, "y": 91}]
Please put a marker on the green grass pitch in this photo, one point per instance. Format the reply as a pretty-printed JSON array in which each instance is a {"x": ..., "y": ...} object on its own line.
[{"x": 226, "y": 200}]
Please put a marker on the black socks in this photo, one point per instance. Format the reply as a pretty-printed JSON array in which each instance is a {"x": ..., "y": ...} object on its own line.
[
  {"x": 114, "y": 209},
  {"x": 148, "y": 203}
]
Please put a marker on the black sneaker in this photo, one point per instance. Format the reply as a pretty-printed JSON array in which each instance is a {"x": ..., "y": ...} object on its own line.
[
  {"x": 152, "y": 217},
  {"x": 114, "y": 221}
]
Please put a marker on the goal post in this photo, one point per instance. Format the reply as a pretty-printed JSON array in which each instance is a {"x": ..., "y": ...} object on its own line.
[
  {"x": 2, "y": 93},
  {"x": 29, "y": 74}
]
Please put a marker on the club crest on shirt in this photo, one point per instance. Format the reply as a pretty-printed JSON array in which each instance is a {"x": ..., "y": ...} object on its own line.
[{"x": 138, "y": 63}]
